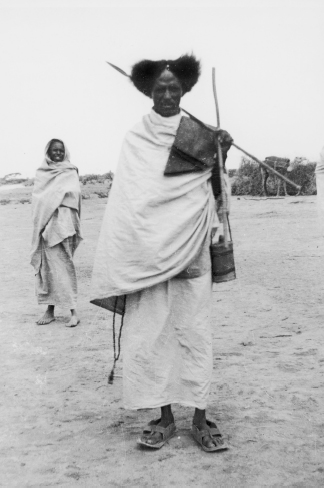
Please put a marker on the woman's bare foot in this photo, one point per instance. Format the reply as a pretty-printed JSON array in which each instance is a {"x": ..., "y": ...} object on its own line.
[
  {"x": 48, "y": 316},
  {"x": 74, "y": 319}
]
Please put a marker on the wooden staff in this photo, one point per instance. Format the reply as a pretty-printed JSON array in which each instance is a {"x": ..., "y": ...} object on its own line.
[{"x": 221, "y": 167}]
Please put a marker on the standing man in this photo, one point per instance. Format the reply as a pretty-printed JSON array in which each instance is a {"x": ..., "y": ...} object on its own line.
[{"x": 153, "y": 256}]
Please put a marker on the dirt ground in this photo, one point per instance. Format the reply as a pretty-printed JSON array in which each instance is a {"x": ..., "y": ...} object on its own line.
[{"x": 62, "y": 425}]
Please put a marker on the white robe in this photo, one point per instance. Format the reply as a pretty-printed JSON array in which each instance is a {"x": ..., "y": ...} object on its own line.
[
  {"x": 56, "y": 206},
  {"x": 153, "y": 229},
  {"x": 154, "y": 225}
]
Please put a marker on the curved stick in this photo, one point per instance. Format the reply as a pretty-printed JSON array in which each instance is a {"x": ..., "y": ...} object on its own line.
[
  {"x": 221, "y": 167},
  {"x": 216, "y": 101}
]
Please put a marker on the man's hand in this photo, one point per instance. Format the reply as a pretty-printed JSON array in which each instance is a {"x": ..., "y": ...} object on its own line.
[{"x": 224, "y": 138}]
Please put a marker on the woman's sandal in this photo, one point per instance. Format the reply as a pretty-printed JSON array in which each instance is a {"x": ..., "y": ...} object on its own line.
[
  {"x": 151, "y": 428},
  {"x": 213, "y": 432}
]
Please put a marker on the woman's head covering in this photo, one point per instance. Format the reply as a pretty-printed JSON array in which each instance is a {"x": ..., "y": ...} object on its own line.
[
  {"x": 66, "y": 152},
  {"x": 186, "y": 69}
]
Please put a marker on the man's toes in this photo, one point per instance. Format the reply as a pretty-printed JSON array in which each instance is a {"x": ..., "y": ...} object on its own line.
[
  {"x": 208, "y": 442},
  {"x": 152, "y": 439}
]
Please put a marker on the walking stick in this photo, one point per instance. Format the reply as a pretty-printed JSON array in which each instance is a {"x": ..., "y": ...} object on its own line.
[{"x": 221, "y": 167}]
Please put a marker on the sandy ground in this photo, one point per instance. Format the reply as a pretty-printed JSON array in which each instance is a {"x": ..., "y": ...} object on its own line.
[
  {"x": 7, "y": 188},
  {"x": 62, "y": 425}
]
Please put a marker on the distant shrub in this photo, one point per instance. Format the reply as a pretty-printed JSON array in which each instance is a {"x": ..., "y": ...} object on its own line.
[
  {"x": 101, "y": 194},
  {"x": 248, "y": 180},
  {"x": 4, "y": 201},
  {"x": 25, "y": 200},
  {"x": 93, "y": 178},
  {"x": 85, "y": 196},
  {"x": 232, "y": 173},
  {"x": 303, "y": 175},
  {"x": 29, "y": 182}
]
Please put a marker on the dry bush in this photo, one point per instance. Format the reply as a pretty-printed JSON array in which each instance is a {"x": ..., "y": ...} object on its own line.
[
  {"x": 24, "y": 200},
  {"x": 248, "y": 180},
  {"x": 232, "y": 173},
  {"x": 94, "y": 179},
  {"x": 4, "y": 201},
  {"x": 303, "y": 175},
  {"x": 29, "y": 182},
  {"x": 101, "y": 193}
]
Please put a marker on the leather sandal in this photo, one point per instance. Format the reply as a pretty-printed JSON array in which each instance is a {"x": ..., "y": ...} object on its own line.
[
  {"x": 212, "y": 432},
  {"x": 151, "y": 428}
]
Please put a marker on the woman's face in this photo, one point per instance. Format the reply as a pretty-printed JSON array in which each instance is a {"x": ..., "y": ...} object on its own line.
[
  {"x": 56, "y": 152},
  {"x": 166, "y": 94}
]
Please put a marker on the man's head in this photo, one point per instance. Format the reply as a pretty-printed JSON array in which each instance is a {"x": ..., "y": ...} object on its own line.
[
  {"x": 166, "y": 81},
  {"x": 166, "y": 94}
]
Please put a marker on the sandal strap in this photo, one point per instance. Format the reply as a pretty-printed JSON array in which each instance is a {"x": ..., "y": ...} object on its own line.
[
  {"x": 201, "y": 433},
  {"x": 163, "y": 430},
  {"x": 152, "y": 427},
  {"x": 213, "y": 428},
  {"x": 215, "y": 432},
  {"x": 210, "y": 431}
]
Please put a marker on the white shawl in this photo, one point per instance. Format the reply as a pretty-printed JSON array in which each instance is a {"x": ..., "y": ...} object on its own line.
[
  {"x": 154, "y": 225},
  {"x": 55, "y": 184}
]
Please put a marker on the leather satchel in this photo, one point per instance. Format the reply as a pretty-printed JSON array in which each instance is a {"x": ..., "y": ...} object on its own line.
[{"x": 193, "y": 150}]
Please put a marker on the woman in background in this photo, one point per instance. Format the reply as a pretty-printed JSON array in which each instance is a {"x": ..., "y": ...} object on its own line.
[{"x": 56, "y": 203}]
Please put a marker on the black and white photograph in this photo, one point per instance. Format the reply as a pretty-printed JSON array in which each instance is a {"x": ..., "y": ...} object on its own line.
[{"x": 162, "y": 243}]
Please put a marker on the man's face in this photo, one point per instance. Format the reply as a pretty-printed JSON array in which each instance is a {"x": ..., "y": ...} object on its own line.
[
  {"x": 56, "y": 152},
  {"x": 166, "y": 94}
]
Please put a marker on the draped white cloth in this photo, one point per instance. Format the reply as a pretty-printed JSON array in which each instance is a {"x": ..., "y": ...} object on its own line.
[
  {"x": 167, "y": 344},
  {"x": 56, "y": 188},
  {"x": 154, "y": 228},
  {"x": 154, "y": 225},
  {"x": 56, "y": 202}
]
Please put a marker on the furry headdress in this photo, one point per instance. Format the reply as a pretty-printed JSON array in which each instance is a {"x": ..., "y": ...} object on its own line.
[{"x": 186, "y": 69}]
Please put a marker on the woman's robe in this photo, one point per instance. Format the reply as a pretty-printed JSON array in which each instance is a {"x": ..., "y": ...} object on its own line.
[{"x": 56, "y": 203}]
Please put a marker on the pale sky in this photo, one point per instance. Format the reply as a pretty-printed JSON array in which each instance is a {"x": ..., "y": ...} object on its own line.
[{"x": 268, "y": 55}]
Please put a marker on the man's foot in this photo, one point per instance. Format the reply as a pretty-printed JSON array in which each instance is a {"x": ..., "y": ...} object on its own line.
[
  {"x": 207, "y": 440},
  {"x": 47, "y": 318},
  {"x": 73, "y": 322},
  {"x": 157, "y": 433},
  {"x": 208, "y": 436},
  {"x": 156, "y": 437}
]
